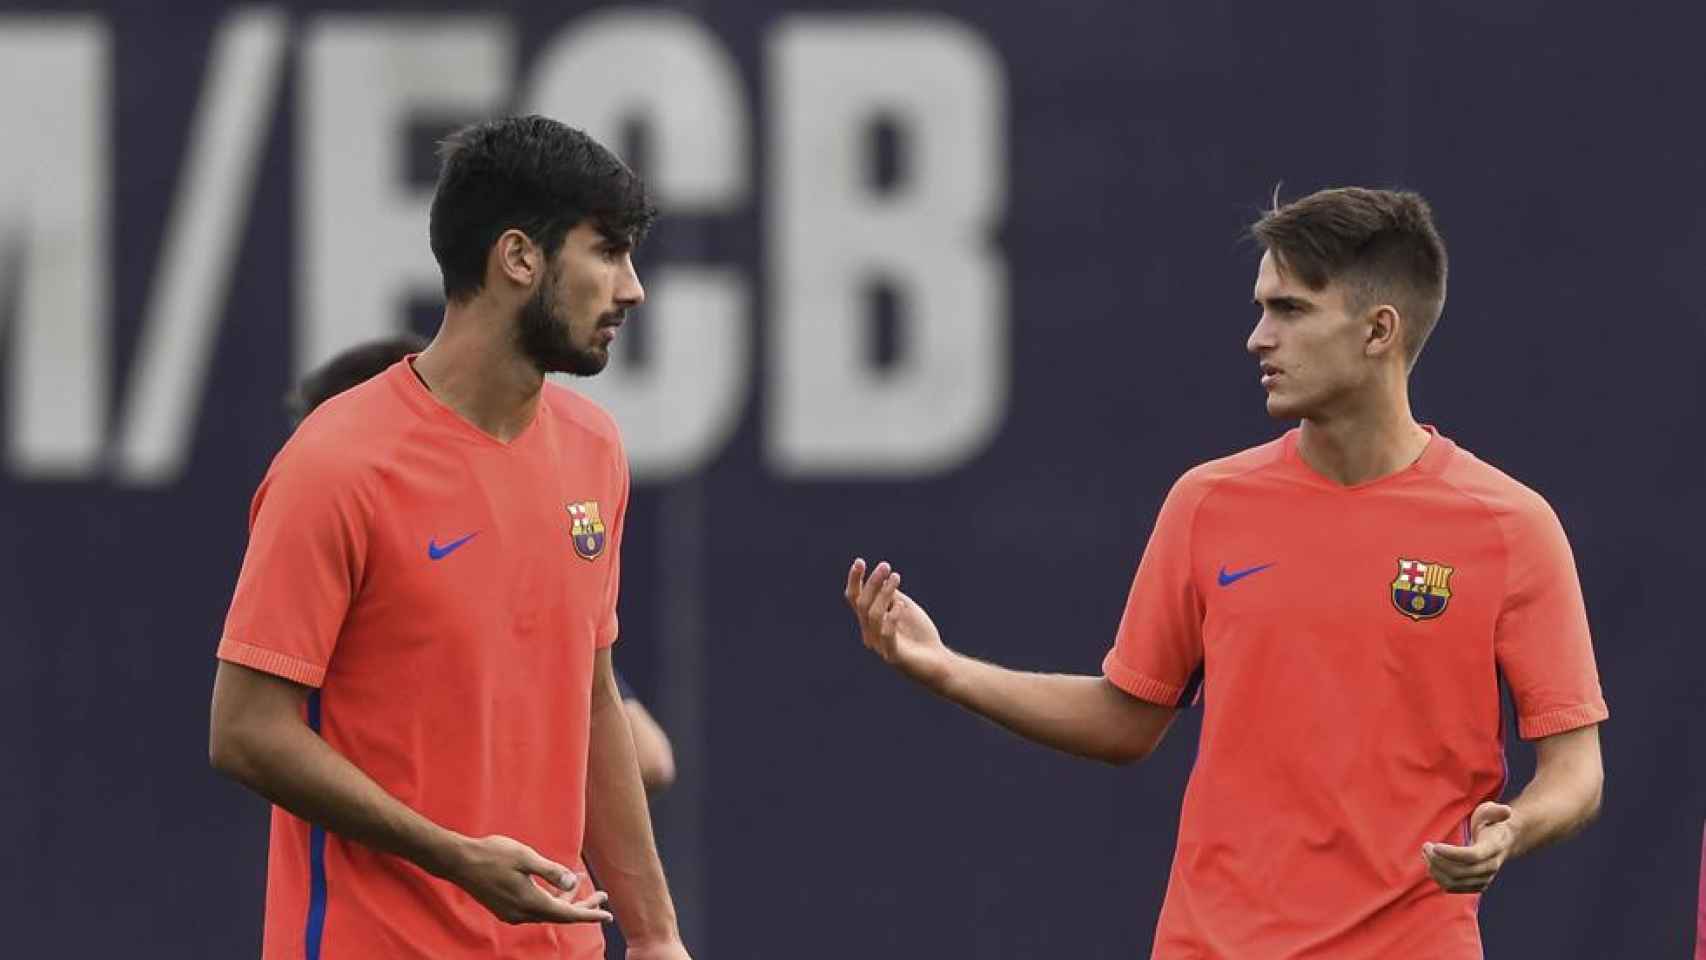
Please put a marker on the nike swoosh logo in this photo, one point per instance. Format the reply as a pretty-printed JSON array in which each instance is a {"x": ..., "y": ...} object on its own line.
[
  {"x": 437, "y": 552},
  {"x": 1228, "y": 579}
]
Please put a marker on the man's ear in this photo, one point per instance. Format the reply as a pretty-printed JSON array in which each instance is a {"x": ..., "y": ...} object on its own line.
[
  {"x": 1385, "y": 331},
  {"x": 517, "y": 260}
]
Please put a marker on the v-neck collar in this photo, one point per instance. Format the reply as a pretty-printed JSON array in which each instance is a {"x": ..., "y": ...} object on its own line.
[
  {"x": 416, "y": 393},
  {"x": 1431, "y": 462}
]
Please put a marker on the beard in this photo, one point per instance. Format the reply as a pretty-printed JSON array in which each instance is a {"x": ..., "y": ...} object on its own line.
[{"x": 542, "y": 334}]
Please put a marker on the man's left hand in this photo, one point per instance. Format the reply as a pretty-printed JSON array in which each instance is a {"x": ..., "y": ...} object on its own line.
[{"x": 1492, "y": 836}]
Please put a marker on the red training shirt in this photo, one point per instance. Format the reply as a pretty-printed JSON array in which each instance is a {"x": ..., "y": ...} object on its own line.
[
  {"x": 1350, "y": 643},
  {"x": 445, "y": 594}
]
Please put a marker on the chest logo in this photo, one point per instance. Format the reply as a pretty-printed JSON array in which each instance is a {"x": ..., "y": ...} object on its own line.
[
  {"x": 1422, "y": 589},
  {"x": 1228, "y": 579},
  {"x": 586, "y": 530},
  {"x": 436, "y": 552}
]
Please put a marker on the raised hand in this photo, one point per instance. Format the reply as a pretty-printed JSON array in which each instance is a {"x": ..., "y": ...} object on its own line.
[{"x": 894, "y": 625}]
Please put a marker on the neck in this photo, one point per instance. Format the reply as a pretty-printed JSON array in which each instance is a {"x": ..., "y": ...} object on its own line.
[
  {"x": 1373, "y": 440},
  {"x": 474, "y": 368}
]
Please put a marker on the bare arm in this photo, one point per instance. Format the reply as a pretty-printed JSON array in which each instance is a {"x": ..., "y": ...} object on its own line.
[
  {"x": 1562, "y": 798},
  {"x": 651, "y": 748},
  {"x": 1083, "y": 715},
  {"x": 619, "y": 843},
  {"x": 258, "y": 735},
  {"x": 1565, "y": 793}
]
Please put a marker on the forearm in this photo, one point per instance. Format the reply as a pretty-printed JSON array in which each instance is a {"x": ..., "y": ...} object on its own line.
[
  {"x": 1560, "y": 800},
  {"x": 620, "y": 847},
  {"x": 1077, "y": 714},
  {"x": 293, "y": 767}
]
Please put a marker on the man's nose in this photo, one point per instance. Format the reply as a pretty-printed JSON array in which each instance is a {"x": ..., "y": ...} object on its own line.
[
  {"x": 629, "y": 290},
  {"x": 1261, "y": 338}
]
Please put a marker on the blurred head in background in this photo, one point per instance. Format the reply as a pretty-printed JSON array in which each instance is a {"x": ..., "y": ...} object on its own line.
[
  {"x": 358, "y": 364},
  {"x": 1350, "y": 286},
  {"x": 533, "y": 225}
]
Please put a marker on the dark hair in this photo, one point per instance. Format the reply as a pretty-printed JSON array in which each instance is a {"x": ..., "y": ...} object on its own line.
[
  {"x": 358, "y": 364},
  {"x": 1383, "y": 243},
  {"x": 531, "y": 174}
]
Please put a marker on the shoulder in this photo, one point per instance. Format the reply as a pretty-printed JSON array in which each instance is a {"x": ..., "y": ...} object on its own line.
[
  {"x": 1197, "y": 484},
  {"x": 347, "y": 440},
  {"x": 1522, "y": 514},
  {"x": 1500, "y": 492},
  {"x": 1205, "y": 478},
  {"x": 569, "y": 408},
  {"x": 589, "y": 423}
]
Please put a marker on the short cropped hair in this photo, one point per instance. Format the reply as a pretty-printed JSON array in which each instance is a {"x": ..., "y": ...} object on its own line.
[
  {"x": 1382, "y": 243},
  {"x": 358, "y": 364},
  {"x": 531, "y": 174}
]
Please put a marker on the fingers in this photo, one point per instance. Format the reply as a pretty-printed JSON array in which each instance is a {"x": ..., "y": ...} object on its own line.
[
  {"x": 883, "y": 618},
  {"x": 545, "y": 905},
  {"x": 877, "y": 604},
  {"x": 873, "y": 584},
  {"x": 518, "y": 885},
  {"x": 595, "y": 902},
  {"x": 1462, "y": 869},
  {"x": 855, "y": 580},
  {"x": 886, "y": 597},
  {"x": 872, "y": 598},
  {"x": 1454, "y": 854},
  {"x": 544, "y": 908},
  {"x": 1490, "y": 840},
  {"x": 896, "y": 607},
  {"x": 1486, "y": 815},
  {"x": 1456, "y": 879},
  {"x": 551, "y": 871},
  {"x": 1462, "y": 878}
]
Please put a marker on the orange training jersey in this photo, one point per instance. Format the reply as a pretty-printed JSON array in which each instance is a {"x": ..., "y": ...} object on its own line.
[
  {"x": 1350, "y": 643},
  {"x": 445, "y": 593}
]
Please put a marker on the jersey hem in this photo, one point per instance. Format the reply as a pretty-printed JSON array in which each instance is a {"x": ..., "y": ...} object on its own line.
[
  {"x": 271, "y": 661},
  {"x": 1561, "y": 721}
]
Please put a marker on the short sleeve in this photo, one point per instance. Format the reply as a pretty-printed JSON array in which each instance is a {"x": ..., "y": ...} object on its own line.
[
  {"x": 1541, "y": 639},
  {"x": 608, "y": 626},
  {"x": 1157, "y": 654},
  {"x": 308, "y": 535}
]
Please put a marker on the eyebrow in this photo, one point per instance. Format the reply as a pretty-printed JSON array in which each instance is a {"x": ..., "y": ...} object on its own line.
[{"x": 1293, "y": 302}]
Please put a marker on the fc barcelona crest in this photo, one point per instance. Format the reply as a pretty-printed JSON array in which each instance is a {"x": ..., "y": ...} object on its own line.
[
  {"x": 1423, "y": 588},
  {"x": 586, "y": 530}
]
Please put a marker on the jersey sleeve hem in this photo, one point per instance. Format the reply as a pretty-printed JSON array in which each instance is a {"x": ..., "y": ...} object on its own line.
[
  {"x": 1560, "y": 721},
  {"x": 1140, "y": 686},
  {"x": 606, "y": 637},
  {"x": 271, "y": 661}
]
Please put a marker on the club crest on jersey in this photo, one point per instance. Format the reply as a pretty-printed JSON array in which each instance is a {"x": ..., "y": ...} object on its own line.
[
  {"x": 1422, "y": 589},
  {"x": 586, "y": 530}
]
